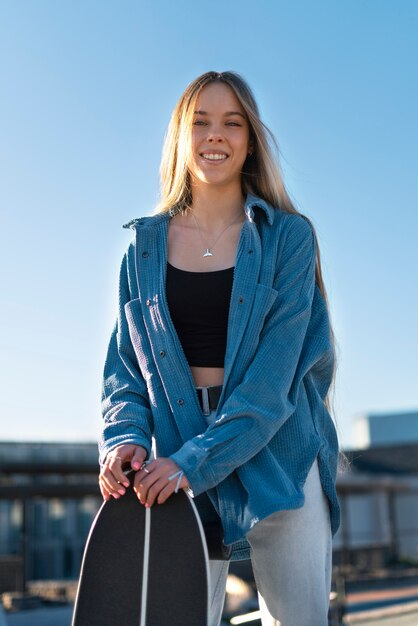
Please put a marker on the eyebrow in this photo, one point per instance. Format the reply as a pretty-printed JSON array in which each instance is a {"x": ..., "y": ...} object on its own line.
[{"x": 225, "y": 114}]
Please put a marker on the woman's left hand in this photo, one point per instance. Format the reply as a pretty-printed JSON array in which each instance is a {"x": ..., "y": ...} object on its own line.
[{"x": 152, "y": 484}]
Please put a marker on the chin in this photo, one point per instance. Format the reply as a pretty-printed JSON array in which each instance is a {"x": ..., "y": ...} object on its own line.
[{"x": 214, "y": 179}]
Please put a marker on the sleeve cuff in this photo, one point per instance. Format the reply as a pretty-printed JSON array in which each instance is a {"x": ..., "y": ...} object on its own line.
[
  {"x": 121, "y": 440},
  {"x": 191, "y": 459}
]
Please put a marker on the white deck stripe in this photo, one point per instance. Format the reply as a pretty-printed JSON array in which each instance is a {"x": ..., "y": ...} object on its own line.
[
  {"x": 145, "y": 567},
  {"x": 206, "y": 553}
]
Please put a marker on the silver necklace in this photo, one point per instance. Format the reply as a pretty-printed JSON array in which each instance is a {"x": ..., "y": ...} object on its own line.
[{"x": 209, "y": 249}]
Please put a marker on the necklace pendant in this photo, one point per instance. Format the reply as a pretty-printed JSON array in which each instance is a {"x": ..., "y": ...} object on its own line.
[{"x": 208, "y": 252}]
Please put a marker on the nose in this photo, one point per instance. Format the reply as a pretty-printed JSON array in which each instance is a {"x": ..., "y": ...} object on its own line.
[{"x": 215, "y": 136}]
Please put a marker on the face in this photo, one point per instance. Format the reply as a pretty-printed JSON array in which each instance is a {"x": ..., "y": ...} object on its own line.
[{"x": 220, "y": 137}]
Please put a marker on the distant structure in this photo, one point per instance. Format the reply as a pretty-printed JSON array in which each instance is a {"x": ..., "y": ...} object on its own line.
[
  {"x": 48, "y": 498},
  {"x": 379, "y": 493},
  {"x": 382, "y": 429}
]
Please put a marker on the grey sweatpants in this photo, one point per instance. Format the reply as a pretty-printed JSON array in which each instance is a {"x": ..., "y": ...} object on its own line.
[{"x": 291, "y": 554}]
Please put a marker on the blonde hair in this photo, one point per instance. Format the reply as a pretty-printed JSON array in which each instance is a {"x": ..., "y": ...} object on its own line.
[{"x": 261, "y": 174}]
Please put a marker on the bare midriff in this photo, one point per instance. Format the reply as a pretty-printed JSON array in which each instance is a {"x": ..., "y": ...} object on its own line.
[{"x": 207, "y": 376}]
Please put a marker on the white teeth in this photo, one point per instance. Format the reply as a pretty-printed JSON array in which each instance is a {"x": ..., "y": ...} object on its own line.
[{"x": 214, "y": 157}]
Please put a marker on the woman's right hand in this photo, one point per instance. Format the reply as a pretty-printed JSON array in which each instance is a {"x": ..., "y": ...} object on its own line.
[{"x": 112, "y": 480}]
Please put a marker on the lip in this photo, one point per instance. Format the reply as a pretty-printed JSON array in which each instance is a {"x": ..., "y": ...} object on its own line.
[{"x": 213, "y": 152}]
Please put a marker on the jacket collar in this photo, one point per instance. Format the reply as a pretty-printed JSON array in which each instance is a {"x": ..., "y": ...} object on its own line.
[{"x": 251, "y": 202}]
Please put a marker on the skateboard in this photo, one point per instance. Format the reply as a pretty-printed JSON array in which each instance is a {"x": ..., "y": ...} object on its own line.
[{"x": 144, "y": 567}]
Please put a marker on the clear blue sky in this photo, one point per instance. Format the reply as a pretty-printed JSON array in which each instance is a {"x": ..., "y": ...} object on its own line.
[{"x": 86, "y": 93}]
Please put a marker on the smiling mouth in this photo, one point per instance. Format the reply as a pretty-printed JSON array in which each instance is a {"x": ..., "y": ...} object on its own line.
[{"x": 214, "y": 157}]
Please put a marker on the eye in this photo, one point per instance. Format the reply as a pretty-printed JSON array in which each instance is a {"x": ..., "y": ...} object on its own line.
[
  {"x": 199, "y": 123},
  {"x": 233, "y": 124}
]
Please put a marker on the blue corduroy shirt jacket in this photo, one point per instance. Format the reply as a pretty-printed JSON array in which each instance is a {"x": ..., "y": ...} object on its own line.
[{"x": 271, "y": 419}]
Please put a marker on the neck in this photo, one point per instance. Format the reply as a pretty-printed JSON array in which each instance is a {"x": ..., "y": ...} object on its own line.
[{"x": 217, "y": 206}]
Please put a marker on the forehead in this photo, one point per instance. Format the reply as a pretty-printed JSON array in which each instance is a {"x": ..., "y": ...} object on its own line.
[{"x": 217, "y": 96}]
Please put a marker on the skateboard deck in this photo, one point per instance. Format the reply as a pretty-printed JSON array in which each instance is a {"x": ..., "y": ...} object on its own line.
[{"x": 144, "y": 567}]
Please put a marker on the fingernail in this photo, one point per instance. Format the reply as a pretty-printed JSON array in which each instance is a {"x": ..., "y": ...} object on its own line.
[
  {"x": 147, "y": 506},
  {"x": 125, "y": 484},
  {"x": 116, "y": 495},
  {"x": 121, "y": 491},
  {"x": 135, "y": 465}
]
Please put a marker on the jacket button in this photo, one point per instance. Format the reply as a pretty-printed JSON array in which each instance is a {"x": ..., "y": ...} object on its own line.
[
  {"x": 180, "y": 401},
  {"x": 250, "y": 251},
  {"x": 148, "y": 302},
  {"x": 162, "y": 352},
  {"x": 145, "y": 255},
  {"x": 241, "y": 300}
]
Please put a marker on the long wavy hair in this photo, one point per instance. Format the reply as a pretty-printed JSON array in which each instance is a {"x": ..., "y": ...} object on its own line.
[{"x": 261, "y": 174}]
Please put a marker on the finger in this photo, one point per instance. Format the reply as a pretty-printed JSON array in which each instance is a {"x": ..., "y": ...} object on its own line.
[
  {"x": 110, "y": 490},
  {"x": 143, "y": 483},
  {"x": 173, "y": 486},
  {"x": 146, "y": 470},
  {"x": 138, "y": 458},
  {"x": 155, "y": 490},
  {"x": 165, "y": 493},
  {"x": 104, "y": 491},
  {"x": 110, "y": 482},
  {"x": 151, "y": 466},
  {"x": 115, "y": 466}
]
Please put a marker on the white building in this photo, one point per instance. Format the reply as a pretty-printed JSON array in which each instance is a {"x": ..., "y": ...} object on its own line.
[
  {"x": 375, "y": 429},
  {"x": 379, "y": 491}
]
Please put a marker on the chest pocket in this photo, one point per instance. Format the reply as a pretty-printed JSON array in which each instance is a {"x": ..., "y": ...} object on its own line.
[
  {"x": 264, "y": 299},
  {"x": 141, "y": 344}
]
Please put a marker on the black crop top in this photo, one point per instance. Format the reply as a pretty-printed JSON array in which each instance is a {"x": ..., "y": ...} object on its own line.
[{"x": 199, "y": 307}]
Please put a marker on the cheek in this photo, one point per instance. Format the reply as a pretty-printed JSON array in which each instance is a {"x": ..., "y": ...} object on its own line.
[
  {"x": 194, "y": 153},
  {"x": 197, "y": 136},
  {"x": 192, "y": 160},
  {"x": 193, "y": 166},
  {"x": 240, "y": 142}
]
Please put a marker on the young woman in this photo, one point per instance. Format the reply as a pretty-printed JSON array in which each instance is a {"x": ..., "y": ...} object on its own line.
[{"x": 223, "y": 353}]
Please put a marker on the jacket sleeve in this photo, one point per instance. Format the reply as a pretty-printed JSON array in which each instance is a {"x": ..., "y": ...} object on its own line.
[
  {"x": 266, "y": 397},
  {"x": 125, "y": 406}
]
